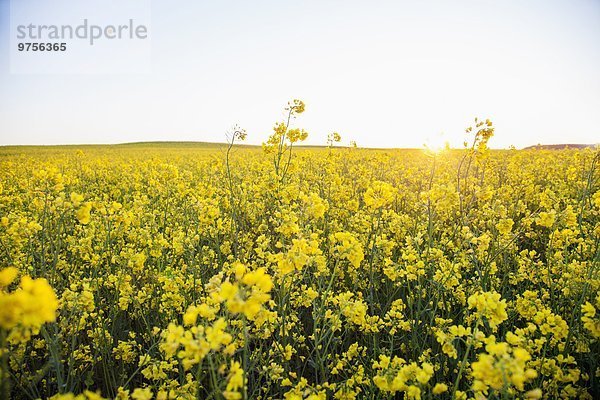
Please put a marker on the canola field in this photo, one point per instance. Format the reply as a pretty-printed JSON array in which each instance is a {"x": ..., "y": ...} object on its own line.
[{"x": 182, "y": 272}]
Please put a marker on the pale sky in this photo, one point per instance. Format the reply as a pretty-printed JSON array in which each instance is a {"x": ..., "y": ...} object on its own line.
[{"x": 382, "y": 73}]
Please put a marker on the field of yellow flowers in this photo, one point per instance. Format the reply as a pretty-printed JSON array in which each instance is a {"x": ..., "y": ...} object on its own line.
[{"x": 182, "y": 272}]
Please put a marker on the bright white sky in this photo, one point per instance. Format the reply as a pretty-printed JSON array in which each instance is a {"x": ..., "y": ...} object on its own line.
[{"x": 383, "y": 73}]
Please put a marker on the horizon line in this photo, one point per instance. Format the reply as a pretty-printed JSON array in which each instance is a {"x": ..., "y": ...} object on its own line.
[{"x": 192, "y": 142}]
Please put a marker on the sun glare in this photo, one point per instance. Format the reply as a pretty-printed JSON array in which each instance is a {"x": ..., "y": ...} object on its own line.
[{"x": 436, "y": 143}]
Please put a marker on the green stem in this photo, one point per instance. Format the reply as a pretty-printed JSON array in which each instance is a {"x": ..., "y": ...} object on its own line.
[{"x": 464, "y": 360}]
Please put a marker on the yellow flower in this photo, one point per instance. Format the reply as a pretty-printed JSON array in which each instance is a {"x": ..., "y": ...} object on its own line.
[
  {"x": 590, "y": 323},
  {"x": 258, "y": 278},
  {"x": 501, "y": 367},
  {"x": 76, "y": 199},
  {"x": 380, "y": 194},
  {"x": 396, "y": 375},
  {"x": 596, "y": 199},
  {"x": 489, "y": 305},
  {"x": 7, "y": 276},
  {"x": 348, "y": 247},
  {"x": 142, "y": 394},
  {"x": 546, "y": 219},
  {"x": 534, "y": 394},
  {"x": 235, "y": 382},
  {"x": 504, "y": 226},
  {"x": 86, "y": 395},
  {"x": 83, "y": 213},
  {"x": 315, "y": 206},
  {"x": 31, "y": 305},
  {"x": 439, "y": 388}
]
